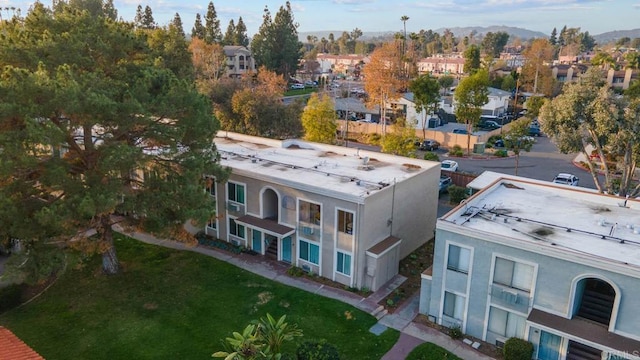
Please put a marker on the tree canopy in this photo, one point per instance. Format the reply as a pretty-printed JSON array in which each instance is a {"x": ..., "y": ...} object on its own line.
[
  {"x": 590, "y": 119},
  {"x": 276, "y": 45},
  {"x": 426, "y": 95},
  {"x": 319, "y": 119},
  {"x": 254, "y": 106},
  {"x": 471, "y": 95},
  {"x": 90, "y": 131}
]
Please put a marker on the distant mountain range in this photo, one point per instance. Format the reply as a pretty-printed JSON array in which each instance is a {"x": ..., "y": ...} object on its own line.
[
  {"x": 611, "y": 36},
  {"x": 513, "y": 32}
]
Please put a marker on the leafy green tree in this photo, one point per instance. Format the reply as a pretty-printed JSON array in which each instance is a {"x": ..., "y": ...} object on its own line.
[
  {"x": 96, "y": 130},
  {"x": 170, "y": 49},
  {"x": 603, "y": 59},
  {"x": 319, "y": 119},
  {"x": 494, "y": 43},
  {"x": 471, "y": 94},
  {"x": 399, "y": 141},
  {"x": 445, "y": 82},
  {"x": 517, "y": 139},
  {"x": 633, "y": 60},
  {"x": 426, "y": 96},
  {"x": 471, "y": 59},
  {"x": 198, "y": 30},
  {"x": 585, "y": 115},
  {"x": 256, "y": 108},
  {"x": 212, "y": 32},
  {"x": 534, "y": 103},
  {"x": 508, "y": 83},
  {"x": 276, "y": 45}
]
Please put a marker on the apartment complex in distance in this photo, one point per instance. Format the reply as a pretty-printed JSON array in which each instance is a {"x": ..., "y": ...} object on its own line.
[{"x": 342, "y": 213}]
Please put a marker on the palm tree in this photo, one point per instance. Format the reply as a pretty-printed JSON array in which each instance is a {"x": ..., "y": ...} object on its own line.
[{"x": 404, "y": 19}]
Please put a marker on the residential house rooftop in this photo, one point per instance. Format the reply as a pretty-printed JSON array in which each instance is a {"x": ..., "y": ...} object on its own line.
[
  {"x": 349, "y": 173},
  {"x": 577, "y": 224}
]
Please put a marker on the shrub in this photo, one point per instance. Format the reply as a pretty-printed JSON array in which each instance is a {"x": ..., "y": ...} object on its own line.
[
  {"x": 456, "y": 194},
  {"x": 456, "y": 150},
  {"x": 455, "y": 332},
  {"x": 317, "y": 350},
  {"x": 295, "y": 271},
  {"x": 500, "y": 153},
  {"x": 431, "y": 156},
  {"x": 10, "y": 297},
  {"x": 517, "y": 349}
]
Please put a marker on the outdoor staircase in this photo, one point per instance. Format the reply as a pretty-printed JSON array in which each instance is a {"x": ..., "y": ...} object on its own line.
[
  {"x": 577, "y": 351},
  {"x": 272, "y": 250},
  {"x": 596, "y": 306}
]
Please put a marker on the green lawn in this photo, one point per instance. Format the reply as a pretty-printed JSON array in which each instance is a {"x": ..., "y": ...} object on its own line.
[
  {"x": 429, "y": 351},
  {"x": 169, "y": 304}
]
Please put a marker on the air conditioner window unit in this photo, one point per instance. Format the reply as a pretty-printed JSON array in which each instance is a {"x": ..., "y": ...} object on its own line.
[{"x": 307, "y": 230}]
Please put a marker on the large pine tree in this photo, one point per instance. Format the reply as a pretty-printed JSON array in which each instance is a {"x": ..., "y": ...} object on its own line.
[
  {"x": 90, "y": 131},
  {"x": 276, "y": 45},
  {"x": 198, "y": 29},
  {"x": 212, "y": 34}
]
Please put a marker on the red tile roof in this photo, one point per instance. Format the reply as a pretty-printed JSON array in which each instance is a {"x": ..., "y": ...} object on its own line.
[{"x": 12, "y": 348}]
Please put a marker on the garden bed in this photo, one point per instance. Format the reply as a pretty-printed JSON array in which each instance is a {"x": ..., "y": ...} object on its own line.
[{"x": 410, "y": 267}]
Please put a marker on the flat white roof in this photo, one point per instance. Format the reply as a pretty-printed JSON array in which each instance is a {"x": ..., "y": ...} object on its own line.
[
  {"x": 347, "y": 172},
  {"x": 555, "y": 218}
]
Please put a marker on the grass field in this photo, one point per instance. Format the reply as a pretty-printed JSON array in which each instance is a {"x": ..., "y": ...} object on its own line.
[
  {"x": 429, "y": 351},
  {"x": 168, "y": 304}
]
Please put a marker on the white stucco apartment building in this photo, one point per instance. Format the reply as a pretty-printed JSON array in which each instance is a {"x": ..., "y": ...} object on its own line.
[{"x": 342, "y": 213}]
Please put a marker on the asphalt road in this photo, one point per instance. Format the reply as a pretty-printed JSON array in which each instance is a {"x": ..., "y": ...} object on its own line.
[{"x": 543, "y": 162}]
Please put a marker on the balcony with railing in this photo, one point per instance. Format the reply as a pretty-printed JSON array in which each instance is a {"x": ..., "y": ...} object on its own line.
[{"x": 511, "y": 298}]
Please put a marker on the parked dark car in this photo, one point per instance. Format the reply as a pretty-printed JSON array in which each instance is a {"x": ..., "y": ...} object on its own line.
[
  {"x": 445, "y": 182},
  {"x": 499, "y": 143},
  {"x": 429, "y": 145},
  {"x": 489, "y": 125},
  {"x": 459, "y": 131},
  {"x": 534, "y": 131}
]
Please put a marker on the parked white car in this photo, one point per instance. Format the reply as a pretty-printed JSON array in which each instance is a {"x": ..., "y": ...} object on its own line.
[
  {"x": 566, "y": 179},
  {"x": 449, "y": 165}
]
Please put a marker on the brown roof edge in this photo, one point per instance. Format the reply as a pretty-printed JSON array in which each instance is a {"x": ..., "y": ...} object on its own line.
[
  {"x": 586, "y": 330},
  {"x": 11, "y": 347},
  {"x": 384, "y": 245}
]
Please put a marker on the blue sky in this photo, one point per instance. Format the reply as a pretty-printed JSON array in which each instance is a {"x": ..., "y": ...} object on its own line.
[{"x": 595, "y": 16}]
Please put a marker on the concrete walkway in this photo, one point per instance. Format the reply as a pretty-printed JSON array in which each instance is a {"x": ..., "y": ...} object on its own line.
[{"x": 412, "y": 335}]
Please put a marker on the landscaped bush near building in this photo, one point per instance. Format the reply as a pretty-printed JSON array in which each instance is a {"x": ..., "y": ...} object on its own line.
[
  {"x": 517, "y": 349},
  {"x": 431, "y": 156},
  {"x": 457, "y": 194},
  {"x": 455, "y": 332},
  {"x": 456, "y": 150},
  {"x": 500, "y": 153}
]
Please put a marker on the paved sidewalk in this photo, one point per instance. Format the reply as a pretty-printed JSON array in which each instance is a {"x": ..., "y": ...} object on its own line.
[{"x": 412, "y": 334}]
